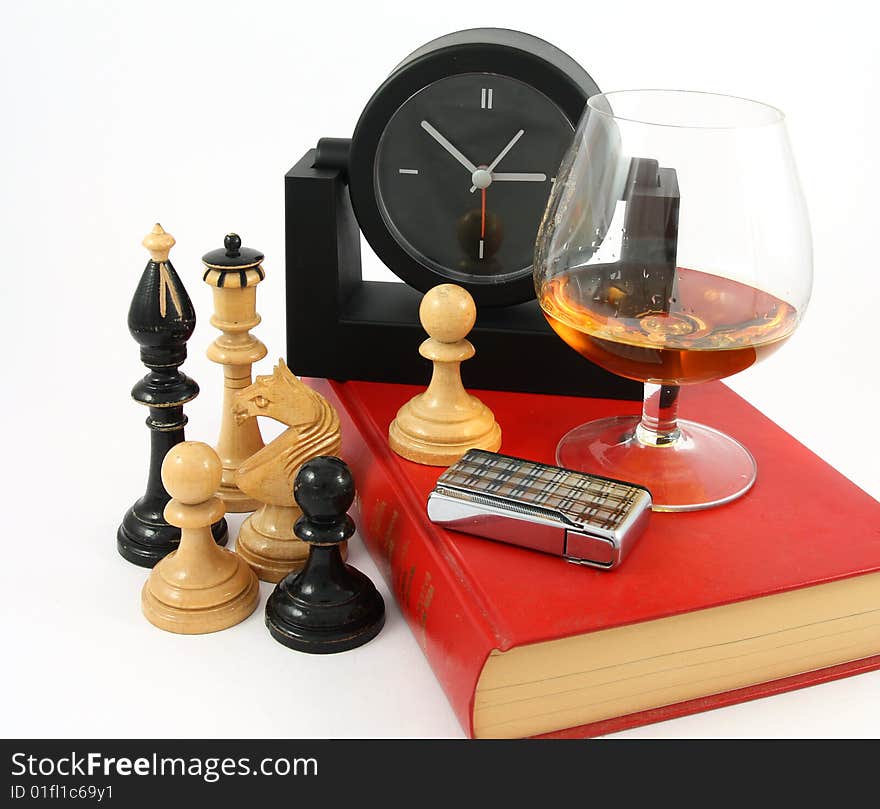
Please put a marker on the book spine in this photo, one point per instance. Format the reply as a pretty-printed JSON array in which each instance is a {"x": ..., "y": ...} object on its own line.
[{"x": 455, "y": 636}]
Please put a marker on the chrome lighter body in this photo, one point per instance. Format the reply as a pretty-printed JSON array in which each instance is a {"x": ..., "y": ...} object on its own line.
[{"x": 586, "y": 519}]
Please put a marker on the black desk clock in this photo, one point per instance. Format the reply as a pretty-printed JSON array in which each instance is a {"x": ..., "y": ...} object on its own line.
[{"x": 447, "y": 175}]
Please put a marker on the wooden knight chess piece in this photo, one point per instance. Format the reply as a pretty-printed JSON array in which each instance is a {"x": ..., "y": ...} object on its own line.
[
  {"x": 328, "y": 606},
  {"x": 267, "y": 541},
  {"x": 438, "y": 426},
  {"x": 199, "y": 587},
  {"x": 161, "y": 319},
  {"x": 234, "y": 272}
]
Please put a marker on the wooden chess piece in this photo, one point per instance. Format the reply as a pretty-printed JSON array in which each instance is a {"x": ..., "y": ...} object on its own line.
[
  {"x": 438, "y": 426},
  {"x": 266, "y": 540},
  {"x": 328, "y": 606},
  {"x": 161, "y": 319},
  {"x": 234, "y": 272},
  {"x": 199, "y": 587}
]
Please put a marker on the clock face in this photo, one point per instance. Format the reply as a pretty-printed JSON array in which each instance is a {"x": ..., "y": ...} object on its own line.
[{"x": 463, "y": 171}]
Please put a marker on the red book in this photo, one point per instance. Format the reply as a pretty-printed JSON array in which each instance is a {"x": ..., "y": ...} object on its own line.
[{"x": 777, "y": 590}]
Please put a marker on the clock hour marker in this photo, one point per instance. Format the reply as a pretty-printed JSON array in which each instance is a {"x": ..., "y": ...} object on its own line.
[
  {"x": 486, "y": 98},
  {"x": 481, "y": 248},
  {"x": 408, "y": 171}
]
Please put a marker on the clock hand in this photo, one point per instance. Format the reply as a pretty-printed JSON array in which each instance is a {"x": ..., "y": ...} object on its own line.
[
  {"x": 483, "y": 223},
  {"x": 491, "y": 167},
  {"x": 506, "y": 149},
  {"x": 519, "y": 177},
  {"x": 449, "y": 147}
]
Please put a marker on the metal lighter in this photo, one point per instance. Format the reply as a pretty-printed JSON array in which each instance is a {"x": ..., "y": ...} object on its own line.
[{"x": 586, "y": 519}]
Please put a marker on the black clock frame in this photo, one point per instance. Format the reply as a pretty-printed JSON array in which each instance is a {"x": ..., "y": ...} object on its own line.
[
  {"x": 508, "y": 53},
  {"x": 342, "y": 327}
]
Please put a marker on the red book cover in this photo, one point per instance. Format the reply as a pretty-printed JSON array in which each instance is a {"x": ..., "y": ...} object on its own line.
[{"x": 465, "y": 596}]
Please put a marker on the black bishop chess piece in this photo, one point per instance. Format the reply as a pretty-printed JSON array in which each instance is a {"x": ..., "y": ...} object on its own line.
[
  {"x": 328, "y": 606},
  {"x": 161, "y": 319}
]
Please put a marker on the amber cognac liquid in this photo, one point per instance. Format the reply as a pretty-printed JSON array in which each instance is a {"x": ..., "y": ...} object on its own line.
[{"x": 707, "y": 328}]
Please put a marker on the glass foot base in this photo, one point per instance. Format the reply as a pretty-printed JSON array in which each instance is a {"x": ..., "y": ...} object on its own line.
[{"x": 701, "y": 469}]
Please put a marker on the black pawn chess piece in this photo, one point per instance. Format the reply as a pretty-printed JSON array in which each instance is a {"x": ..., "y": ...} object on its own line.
[
  {"x": 161, "y": 319},
  {"x": 328, "y": 606}
]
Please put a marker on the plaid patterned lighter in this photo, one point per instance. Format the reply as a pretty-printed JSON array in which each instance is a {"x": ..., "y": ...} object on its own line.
[{"x": 585, "y": 519}]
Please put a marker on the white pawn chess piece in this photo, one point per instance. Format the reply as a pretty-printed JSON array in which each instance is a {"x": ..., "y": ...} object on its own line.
[
  {"x": 438, "y": 426},
  {"x": 200, "y": 587}
]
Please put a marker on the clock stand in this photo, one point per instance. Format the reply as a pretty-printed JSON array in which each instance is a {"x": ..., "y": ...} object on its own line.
[{"x": 340, "y": 326}]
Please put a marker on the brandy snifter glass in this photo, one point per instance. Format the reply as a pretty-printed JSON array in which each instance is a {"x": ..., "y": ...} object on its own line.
[{"x": 675, "y": 249}]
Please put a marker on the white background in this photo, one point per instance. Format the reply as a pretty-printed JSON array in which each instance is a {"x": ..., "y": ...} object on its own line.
[{"x": 116, "y": 116}]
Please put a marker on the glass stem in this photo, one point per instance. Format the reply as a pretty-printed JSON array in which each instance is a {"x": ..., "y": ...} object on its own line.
[{"x": 658, "y": 427}]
